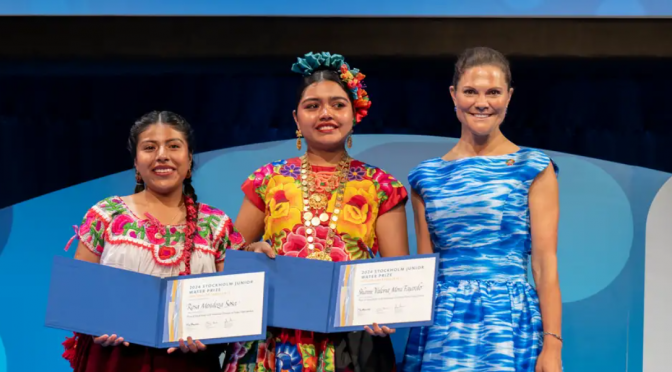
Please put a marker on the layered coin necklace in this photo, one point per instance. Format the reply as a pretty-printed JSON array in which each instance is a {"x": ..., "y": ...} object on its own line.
[{"x": 316, "y": 196}]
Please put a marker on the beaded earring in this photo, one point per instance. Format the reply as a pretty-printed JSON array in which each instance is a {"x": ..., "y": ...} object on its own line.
[{"x": 298, "y": 139}]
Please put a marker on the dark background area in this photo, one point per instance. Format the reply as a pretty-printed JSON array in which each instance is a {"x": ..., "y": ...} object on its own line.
[{"x": 70, "y": 88}]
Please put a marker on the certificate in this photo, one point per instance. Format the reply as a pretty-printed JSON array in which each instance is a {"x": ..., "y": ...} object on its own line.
[
  {"x": 93, "y": 299},
  {"x": 386, "y": 292},
  {"x": 222, "y": 306},
  {"x": 329, "y": 297}
]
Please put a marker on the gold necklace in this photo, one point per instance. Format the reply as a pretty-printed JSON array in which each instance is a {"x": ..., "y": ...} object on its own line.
[
  {"x": 315, "y": 206},
  {"x": 159, "y": 234}
]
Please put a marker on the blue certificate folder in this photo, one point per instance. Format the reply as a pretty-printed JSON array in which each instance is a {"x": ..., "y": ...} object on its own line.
[
  {"x": 303, "y": 293},
  {"x": 95, "y": 300}
]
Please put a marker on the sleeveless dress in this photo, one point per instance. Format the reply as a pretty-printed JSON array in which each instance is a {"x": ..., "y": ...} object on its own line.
[
  {"x": 487, "y": 314},
  {"x": 126, "y": 241},
  {"x": 275, "y": 189}
]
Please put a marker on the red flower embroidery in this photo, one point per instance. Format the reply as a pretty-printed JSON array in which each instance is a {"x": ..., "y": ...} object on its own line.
[
  {"x": 296, "y": 244},
  {"x": 166, "y": 253},
  {"x": 385, "y": 181},
  {"x": 280, "y": 197}
]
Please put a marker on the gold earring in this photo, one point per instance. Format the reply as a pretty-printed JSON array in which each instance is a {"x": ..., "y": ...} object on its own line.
[
  {"x": 298, "y": 139},
  {"x": 138, "y": 179},
  {"x": 350, "y": 141}
]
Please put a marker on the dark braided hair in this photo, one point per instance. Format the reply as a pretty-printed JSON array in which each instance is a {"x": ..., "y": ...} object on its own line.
[{"x": 180, "y": 124}]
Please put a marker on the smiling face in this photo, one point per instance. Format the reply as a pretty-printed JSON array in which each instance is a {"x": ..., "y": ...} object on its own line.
[
  {"x": 481, "y": 97},
  {"x": 163, "y": 158},
  {"x": 325, "y": 115}
]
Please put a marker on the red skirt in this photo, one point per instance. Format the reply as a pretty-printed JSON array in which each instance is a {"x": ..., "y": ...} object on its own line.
[{"x": 91, "y": 357}]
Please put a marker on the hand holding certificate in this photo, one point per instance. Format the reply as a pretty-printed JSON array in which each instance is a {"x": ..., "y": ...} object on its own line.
[
  {"x": 385, "y": 292},
  {"x": 205, "y": 308},
  {"x": 156, "y": 312},
  {"x": 209, "y": 307}
]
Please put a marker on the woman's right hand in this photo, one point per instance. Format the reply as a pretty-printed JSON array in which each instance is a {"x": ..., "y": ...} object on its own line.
[
  {"x": 262, "y": 247},
  {"x": 106, "y": 340}
]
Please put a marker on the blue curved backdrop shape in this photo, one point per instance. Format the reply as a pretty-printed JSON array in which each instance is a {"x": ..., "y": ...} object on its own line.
[{"x": 601, "y": 246}]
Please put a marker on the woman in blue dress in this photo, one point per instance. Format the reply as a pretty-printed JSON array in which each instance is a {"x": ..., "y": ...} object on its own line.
[{"x": 487, "y": 206}]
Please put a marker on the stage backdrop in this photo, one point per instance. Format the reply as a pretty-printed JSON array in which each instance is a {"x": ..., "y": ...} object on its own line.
[
  {"x": 604, "y": 245},
  {"x": 432, "y": 8}
]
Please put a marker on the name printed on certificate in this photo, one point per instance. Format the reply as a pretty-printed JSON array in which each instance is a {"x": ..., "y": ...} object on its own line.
[
  {"x": 386, "y": 292},
  {"x": 214, "y": 307}
]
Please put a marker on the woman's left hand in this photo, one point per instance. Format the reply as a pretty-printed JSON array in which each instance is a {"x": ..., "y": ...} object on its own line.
[
  {"x": 549, "y": 360},
  {"x": 191, "y": 346},
  {"x": 378, "y": 331}
]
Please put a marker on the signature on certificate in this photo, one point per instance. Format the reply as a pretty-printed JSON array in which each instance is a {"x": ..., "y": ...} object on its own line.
[
  {"x": 228, "y": 323},
  {"x": 211, "y": 324}
]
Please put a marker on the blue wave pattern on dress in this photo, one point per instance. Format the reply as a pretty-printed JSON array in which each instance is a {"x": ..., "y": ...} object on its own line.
[{"x": 487, "y": 315}]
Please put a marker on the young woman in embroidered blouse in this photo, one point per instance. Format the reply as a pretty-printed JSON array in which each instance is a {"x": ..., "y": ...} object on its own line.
[
  {"x": 326, "y": 206},
  {"x": 160, "y": 230}
]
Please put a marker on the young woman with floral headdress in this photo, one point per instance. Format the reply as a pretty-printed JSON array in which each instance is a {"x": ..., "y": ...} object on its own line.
[
  {"x": 159, "y": 230},
  {"x": 323, "y": 205}
]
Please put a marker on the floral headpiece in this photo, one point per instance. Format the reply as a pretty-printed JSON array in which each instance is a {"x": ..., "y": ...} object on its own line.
[{"x": 310, "y": 62}]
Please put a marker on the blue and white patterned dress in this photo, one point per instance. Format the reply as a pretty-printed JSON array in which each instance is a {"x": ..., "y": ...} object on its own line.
[{"x": 487, "y": 314}]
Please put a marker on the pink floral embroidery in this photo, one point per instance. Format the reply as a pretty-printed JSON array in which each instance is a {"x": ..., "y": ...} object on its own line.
[
  {"x": 385, "y": 180},
  {"x": 198, "y": 239},
  {"x": 86, "y": 226},
  {"x": 236, "y": 238},
  {"x": 209, "y": 210},
  {"x": 168, "y": 241},
  {"x": 261, "y": 174},
  {"x": 119, "y": 223},
  {"x": 296, "y": 244},
  {"x": 151, "y": 233}
]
